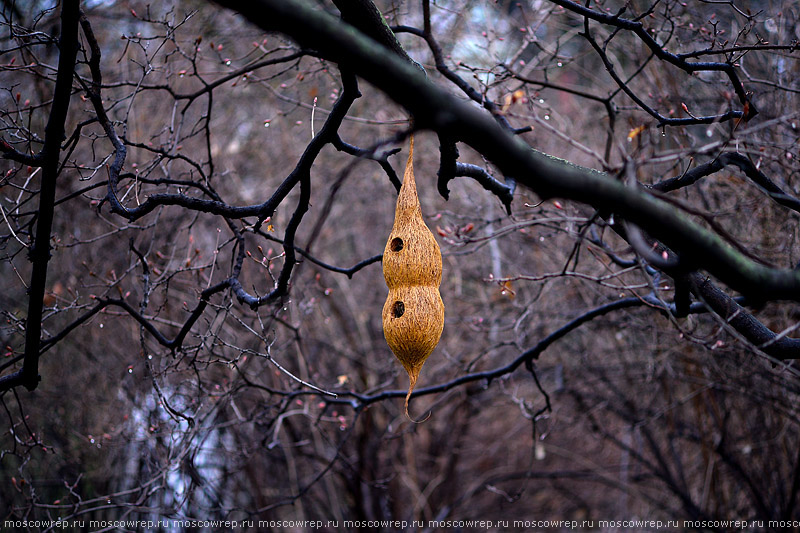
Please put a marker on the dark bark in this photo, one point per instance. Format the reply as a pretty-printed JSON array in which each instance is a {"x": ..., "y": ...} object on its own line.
[
  {"x": 364, "y": 15},
  {"x": 40, "y": 251},
  {"x": 740, "y": 161},
  {"x": 780, "y": 347},
  {"x": 433, "y": 108}
]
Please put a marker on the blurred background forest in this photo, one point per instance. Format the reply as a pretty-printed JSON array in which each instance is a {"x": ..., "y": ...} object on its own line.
[{"x": 633, "y": 412}]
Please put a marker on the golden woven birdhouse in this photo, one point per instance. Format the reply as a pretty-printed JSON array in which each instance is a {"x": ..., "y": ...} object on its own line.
[{"x": 413, "y": 315}]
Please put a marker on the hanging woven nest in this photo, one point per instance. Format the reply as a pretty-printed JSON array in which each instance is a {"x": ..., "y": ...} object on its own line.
[{"x": 413, "y": 315}]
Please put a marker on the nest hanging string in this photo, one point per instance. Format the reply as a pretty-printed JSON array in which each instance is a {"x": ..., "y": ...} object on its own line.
[{"x": 413, "y": 315}]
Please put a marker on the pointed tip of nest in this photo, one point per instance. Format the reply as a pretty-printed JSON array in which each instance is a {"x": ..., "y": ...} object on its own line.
[
  {"x": 410, "y": 162},
  {"x": 412, "y": 376}
]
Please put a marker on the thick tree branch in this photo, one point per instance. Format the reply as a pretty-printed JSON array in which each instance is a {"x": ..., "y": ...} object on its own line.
[
  {"x": 549, "y": 177},
  {"x": 777, "y": 346},
  {"x": 364, "y": 15},
  {"x": 40, "y": 251}
]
